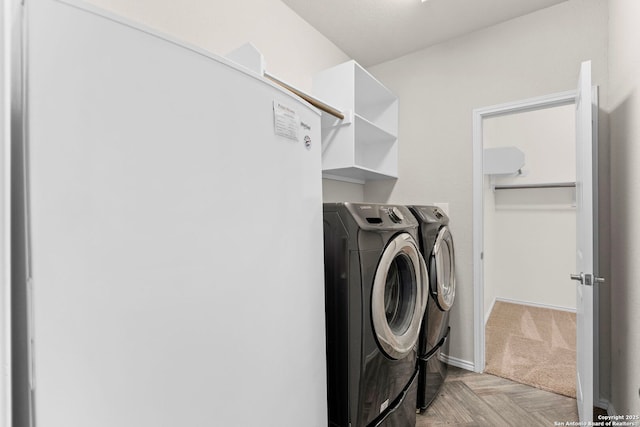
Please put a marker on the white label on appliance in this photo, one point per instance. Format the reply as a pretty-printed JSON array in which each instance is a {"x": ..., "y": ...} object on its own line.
[
  {"x": 285, "y": 121},
  {"x": 384, "y": 405}
]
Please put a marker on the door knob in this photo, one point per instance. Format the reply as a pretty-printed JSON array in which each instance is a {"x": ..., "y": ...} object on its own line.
[{"x": 587, "y": 279}]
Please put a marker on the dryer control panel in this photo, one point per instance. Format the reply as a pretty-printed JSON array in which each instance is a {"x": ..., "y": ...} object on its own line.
[{"x": 430, "y": 214}]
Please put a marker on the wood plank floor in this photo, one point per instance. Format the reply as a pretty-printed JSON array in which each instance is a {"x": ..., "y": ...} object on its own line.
[{"x": 471, "y": 399}]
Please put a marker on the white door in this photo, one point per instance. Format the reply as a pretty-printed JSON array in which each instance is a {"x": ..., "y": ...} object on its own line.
[
  {"x": 586, "y": 250},
  {"x": 5, "y": 307}
]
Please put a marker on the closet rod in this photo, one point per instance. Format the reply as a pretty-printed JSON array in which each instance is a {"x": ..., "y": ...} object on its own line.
[
  {"x": 527, "y": 186},
  {"x": 310, "y": 99}
]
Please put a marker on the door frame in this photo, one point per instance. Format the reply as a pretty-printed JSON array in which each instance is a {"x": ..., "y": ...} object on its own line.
[
  {"x": 479, "y": 114},
  {"x": 6, "y": 40}
]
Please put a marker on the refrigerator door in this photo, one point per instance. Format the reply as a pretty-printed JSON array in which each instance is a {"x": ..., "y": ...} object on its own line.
[{"x": 175, "y": 233}]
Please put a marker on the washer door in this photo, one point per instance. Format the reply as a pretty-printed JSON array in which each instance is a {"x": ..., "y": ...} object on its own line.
[
  {"x": 442, "y": 269},
  {"x": 399, "y": 296}
]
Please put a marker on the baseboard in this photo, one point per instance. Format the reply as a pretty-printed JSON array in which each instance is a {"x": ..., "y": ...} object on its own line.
[
  {"x": 602, "y": 404},
  {"x": 535, "y": 304},
  {"x": 458, "y": 363},
  {"x": 488, "y": 313},
  {"x": 611, "y": 410},
  {"x": 528, "y": 303}
]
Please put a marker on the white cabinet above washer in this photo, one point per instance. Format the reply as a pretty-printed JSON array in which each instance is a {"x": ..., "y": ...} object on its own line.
[{"x": 363, "y": 146}]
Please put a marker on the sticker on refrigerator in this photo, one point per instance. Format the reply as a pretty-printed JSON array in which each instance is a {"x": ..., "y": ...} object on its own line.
[
  {"x": 307, "y": 142},
  {"x": 285, "y": 121}
]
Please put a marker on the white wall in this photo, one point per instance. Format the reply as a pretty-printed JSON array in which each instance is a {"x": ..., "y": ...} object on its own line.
[
  {"x": 293, "y": 50},
  {"x": 529, "y": 234},
  {"x": 439, "y": 87},
  {"x": 340, "y": 191},
  {"x": 624, "y": 101}
]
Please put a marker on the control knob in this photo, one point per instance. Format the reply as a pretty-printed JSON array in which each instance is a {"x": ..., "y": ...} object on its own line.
[{"x": 395, "y": 215}]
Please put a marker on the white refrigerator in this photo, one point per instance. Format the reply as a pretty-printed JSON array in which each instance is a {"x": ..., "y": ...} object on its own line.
[{"x": 173, "y": 233}]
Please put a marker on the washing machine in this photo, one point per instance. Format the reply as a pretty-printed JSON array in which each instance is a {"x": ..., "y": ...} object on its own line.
[
  {"x": 375, "y": 294},
  {"x": 436, "y": 246}
]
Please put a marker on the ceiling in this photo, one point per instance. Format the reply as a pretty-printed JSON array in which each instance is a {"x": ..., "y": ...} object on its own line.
[{"x": 375, "y": 31}]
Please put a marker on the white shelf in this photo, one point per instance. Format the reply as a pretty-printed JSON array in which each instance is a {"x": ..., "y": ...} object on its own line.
[
  {"x": 355, "y": 174},
  {"x": 364, "y": 146},
  {"x": 502, "y": 160},
  {"x": 374, "y": 101},
  {"x": 368, "y": 133},
  {"x": 370, "y": 91}
]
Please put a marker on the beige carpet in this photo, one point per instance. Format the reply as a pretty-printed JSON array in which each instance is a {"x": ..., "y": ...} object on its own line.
[{"x": 533, "y": 346}]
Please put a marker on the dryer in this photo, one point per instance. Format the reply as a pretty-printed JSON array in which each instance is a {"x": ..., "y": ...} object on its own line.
[
  {"x": 436, "y": 245},
  {"x": 375, "y": 294}
]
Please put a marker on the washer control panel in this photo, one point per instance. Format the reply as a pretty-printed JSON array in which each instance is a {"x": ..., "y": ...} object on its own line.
[
  {"x": 395, "y": 215},
  {"x": 381, "y": 217}
]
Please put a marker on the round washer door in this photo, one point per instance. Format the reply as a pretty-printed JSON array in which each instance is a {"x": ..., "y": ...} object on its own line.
[
  {"x": 398, "y": 296},
  {"x": 442, "y": 269}
]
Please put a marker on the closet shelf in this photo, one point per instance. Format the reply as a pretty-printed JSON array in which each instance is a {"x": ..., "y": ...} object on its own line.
[
  {"x": 356, "y": 174},
  {"x": 363, "y": 146},
  {"x": 533, "y": 186},
  {"x": 502, "y": 161}
]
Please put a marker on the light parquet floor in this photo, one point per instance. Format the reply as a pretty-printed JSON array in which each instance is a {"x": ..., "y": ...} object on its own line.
[{"x": 471, "y": 399}]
